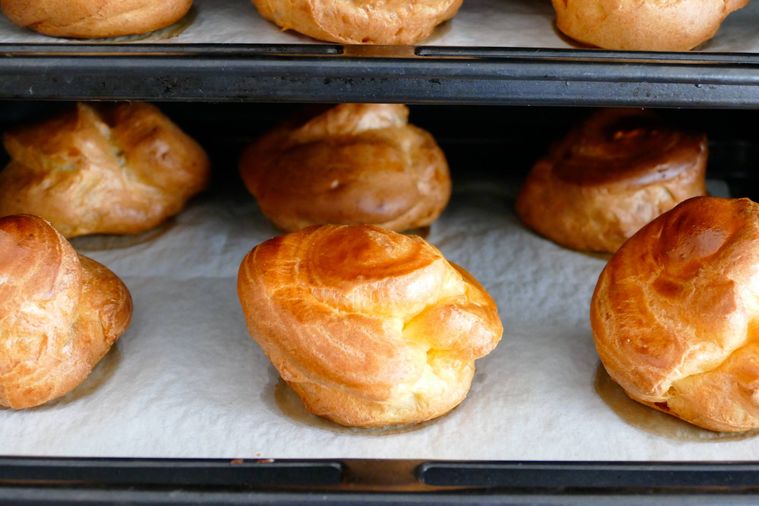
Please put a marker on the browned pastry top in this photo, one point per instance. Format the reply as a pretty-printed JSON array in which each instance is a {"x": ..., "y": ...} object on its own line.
[
  {"x": 370, "y": 327},
  {"x": 674, "y": 314},
  {"x": 389, "y": 22},
  {"x": 643, "y": 25},
  {"x": 94, "y": 18},
  {"x": 626, "y": 148},
  {"x": 110, "y": 169},
  {"x": 59, "y": 313},
  {"x": 355, "y": 163},
  {"x": 609, "y": 176}
]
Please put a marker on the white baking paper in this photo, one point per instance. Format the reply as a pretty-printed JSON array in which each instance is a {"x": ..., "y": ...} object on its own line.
[
  {"x": 187, "y": 381},
  {"x": 496, "y": 23}
]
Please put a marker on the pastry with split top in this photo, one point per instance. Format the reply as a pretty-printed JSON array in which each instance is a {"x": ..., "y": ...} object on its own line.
[{"x": 106, "y": 169}]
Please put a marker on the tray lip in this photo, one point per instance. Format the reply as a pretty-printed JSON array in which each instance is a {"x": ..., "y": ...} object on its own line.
[
  {"x": 325, "y": 48},
  {"x": 372, "y": 477},
  {"x": 425, "y": 74},
  {"x": 319, "y": 50}
]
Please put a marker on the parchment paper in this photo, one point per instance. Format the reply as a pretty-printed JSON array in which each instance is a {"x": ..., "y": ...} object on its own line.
[
  {"x": 500, "y": 23},
  {"x": 187, "y": 381}
]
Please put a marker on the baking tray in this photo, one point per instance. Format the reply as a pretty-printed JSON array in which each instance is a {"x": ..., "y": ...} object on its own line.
[
  {"x": 474, "y": 141},
  {"x": 494, "y": 52}
]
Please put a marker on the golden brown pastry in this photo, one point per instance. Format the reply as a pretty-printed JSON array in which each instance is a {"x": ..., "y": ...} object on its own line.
[
  {"x": 610, "y": 176},
  {"x": 643, "y": 25},
  {"x": 355, "y": 163},
  {"x": 368, "y": 326},
  {"x": 389, "y": 22},
  {"x": 119, "y": 169},
  {"x": 674, "y": 314},
  {"x": 85, "y": 19},
  {"x": 59, "y": 313}
]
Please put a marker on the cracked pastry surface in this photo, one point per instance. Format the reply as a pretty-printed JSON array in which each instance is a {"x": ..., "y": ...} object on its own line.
[
  {"x": 120, "y": 169},
  {"x": 609, "y": 176},
  {"x": 86, "y": 19},
  {"x": 355, "y": 163},
  {"x": 643, "y": 25},
  {"x": 368, "y": 326},
  {"x": 388, "y": 22},
  {"x": 59, "y": 313},
  {"x": 674, "y": 314}
]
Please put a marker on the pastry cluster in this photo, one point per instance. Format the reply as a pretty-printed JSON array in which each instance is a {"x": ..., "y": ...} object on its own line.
[
  {"x": 673, "y": 312},
  {"x": 87, "y": 19},
  {"x": 115, "y": 169},
  {"x": 388, "y": 22},
  {"x": 371, "y": 327},
  {"x": 643, "y": 25},
  {"x": 368, "y": 326}
]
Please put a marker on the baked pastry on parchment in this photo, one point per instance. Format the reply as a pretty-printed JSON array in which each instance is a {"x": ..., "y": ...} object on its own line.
[
  {"x": 355, "y": 163},
  {"x": 643, "y": 25},
  {"x": 674, "y": 314},
  {"x": 60, "y": 313},
  {"x": 86, "y": 19},
  {"x": 387, "y": 22},
  {"x": 110, "y": 169},
  {"x": 368, "y": 326},
  {"x": 615, "y": 172}
]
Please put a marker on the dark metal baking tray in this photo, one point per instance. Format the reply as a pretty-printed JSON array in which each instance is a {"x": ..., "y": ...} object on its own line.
[{"x": 331, "y": 74}]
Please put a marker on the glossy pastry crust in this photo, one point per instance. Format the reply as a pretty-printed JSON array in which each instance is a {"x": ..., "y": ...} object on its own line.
[
  {"x": 388, "y": 22},
  {"x": 94, "y": 18},
  {"x": 59, "y": 313},
  {"x": 120, "y": 169},
  {"x": 643, "y": 25},
  {"x": 355, "y": 163},
  {"x": 369, "y": 327},
  {"x": 611, "y": 175},
  {"x": 674, "y": 314}
]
